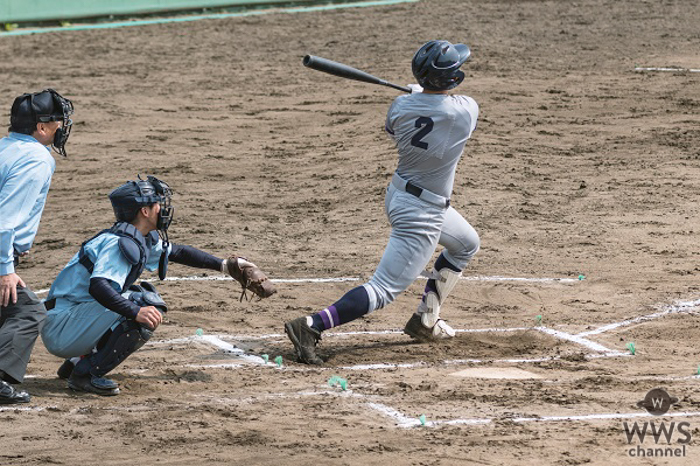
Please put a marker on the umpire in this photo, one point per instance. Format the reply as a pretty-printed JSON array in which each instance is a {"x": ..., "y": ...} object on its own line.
[{"x": 37, "y": 121}]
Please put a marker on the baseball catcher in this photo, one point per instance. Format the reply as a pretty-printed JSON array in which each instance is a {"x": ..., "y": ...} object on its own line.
[
  {"x": 97, "y": 314},
  {"x": 430, "y": 128}
]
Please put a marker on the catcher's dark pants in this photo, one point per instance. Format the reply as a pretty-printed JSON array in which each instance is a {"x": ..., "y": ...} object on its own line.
[{"x": 20, "y": 324}]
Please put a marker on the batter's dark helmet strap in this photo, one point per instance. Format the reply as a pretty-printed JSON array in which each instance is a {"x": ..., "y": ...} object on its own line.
[{"x": 124, "y": 340}]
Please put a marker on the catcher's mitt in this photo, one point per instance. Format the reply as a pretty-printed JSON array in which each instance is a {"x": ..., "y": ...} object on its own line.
[{"x": 249, "y": 276}]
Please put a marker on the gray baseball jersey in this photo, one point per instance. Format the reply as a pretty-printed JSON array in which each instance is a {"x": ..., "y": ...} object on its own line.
[{"x": 430, "y": 131}]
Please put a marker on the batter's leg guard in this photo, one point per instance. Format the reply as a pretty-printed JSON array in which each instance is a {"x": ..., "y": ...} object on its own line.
[
  {"x": 425, "y": 324},
  {"x": 125, "y": 339}
]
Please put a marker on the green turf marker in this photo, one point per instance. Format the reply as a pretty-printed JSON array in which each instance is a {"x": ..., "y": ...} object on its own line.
[
  {"x": 581, "y": 277},
  {"x": 335, "y": 380},
  {"x": 422, "y": 419},
  {"x": 538, "y": 321},
  {"x": 199, "y": 332},
  {"x": 278, "y": 361},
  {"x": 632, "y": 348},
  {"x": 265, "y": 357}
]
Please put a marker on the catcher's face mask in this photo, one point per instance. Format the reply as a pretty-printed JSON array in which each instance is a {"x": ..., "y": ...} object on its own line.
[
  {"x": 165, "y": 194},
  {"x": 154, "y": 190}
]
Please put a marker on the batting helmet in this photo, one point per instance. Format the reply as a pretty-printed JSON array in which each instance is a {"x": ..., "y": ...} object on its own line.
[
  {"x": 42, "y": 107},
  {"x": 436, "y": 65}
]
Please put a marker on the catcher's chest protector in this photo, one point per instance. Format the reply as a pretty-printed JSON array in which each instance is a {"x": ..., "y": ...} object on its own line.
[{"x": 134, "y": 247}]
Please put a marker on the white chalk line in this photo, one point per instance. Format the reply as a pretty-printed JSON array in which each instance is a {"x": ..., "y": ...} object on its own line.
[
  {"x": 273, "y": 336},
  {"x": 405, "y": 421},
  {"x": 23, "y": 408},
  {"x": 408, "y": 422},
  {"x": 414, "y": 365},
  {"x": 409, "y": 365},
  {"x": 229, "y": 348},
  {"x": 683, "y": 307},
  {"x": 401, "y": 420},
  {"x": 593, "y": 417},
  {"x": 669, "y": 378},
  {"x": 675, "y": 70},
  {"x": 604, "y": 352},
  {"x": 345, "y": 279},
  {"x": 218, "y": 342},
  {"x": 575, "y": 339}
]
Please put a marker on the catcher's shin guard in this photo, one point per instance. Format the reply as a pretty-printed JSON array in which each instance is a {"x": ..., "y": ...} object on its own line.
[
  {"x": 429, "y": 309},
  {"x": 125, "y": 339}
]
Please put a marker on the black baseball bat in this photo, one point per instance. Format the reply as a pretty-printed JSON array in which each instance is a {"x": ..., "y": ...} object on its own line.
[{"x": 345, "y": 71}]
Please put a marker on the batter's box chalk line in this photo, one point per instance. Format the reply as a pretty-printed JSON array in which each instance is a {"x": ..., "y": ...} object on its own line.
[
  {"x": 667, "y": 69},
  {"x": 681, "y": 307},
  {"x": 595, "y": 350},
  {"x": 351, "y": 279},
  {"x": 403, "y": 420},
  {"x": 218, "y": 341}
]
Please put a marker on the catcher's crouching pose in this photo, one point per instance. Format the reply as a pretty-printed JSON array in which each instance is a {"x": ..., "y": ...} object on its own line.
[{"x": 97, "y": 315}]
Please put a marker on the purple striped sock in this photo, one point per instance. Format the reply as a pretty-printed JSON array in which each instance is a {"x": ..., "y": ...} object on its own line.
[{"x": 330, "y": 317}]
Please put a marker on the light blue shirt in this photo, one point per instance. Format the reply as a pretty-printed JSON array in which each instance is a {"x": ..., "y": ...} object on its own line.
[
  {"x": 26, "y": 167},
  {"x": 73, "y": 283}
]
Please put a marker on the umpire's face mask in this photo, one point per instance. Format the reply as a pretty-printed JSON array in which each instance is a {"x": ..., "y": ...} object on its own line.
[{"x": 65, "y": 110}]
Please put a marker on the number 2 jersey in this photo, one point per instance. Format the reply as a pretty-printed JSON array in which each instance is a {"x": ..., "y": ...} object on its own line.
[{"x": 430, "y": 131}]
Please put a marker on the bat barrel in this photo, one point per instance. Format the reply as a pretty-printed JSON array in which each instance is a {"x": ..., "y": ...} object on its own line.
[{"x": 345, "y": 71}]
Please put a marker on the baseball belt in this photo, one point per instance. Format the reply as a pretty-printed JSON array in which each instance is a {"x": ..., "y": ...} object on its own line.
[{"x": 428, "y": 196}]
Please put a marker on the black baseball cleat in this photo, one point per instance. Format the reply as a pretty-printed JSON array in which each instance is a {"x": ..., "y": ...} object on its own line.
[
  {"x": 65, "y": 370},
  {"x": 10, "y": 396},
  {"x": 304, "y": 339},
  {"x": 93, "y": 384},
  {"x": 415, "y": 329}
]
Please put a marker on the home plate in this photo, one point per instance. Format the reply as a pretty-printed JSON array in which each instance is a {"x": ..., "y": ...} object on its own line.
[{"x": 496, "y": 373}]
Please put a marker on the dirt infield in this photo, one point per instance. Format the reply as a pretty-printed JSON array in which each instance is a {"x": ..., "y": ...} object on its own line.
[{"x": 580, "y": 166}]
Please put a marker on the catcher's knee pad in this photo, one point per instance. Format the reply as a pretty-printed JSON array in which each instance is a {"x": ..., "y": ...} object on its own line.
[
  {"x": 125, "y": 339},
  {"x": 429, "y": 309}
]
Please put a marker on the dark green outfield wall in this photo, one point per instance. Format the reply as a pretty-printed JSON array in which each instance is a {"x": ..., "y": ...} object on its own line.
[{"x": 15, "y": 11}]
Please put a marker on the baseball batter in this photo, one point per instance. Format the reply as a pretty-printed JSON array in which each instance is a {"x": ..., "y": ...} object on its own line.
[{"x": 430, "y": 128}]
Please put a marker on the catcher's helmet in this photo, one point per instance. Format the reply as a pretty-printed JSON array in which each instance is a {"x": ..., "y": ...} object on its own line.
[
  {"x": 42, "y": 107},
  {"x": 128, "y": 198},
  {"x": 436, "y": 65}
]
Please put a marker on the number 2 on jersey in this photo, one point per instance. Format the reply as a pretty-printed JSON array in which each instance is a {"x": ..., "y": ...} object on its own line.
[{"x": 427, "y": 124}]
